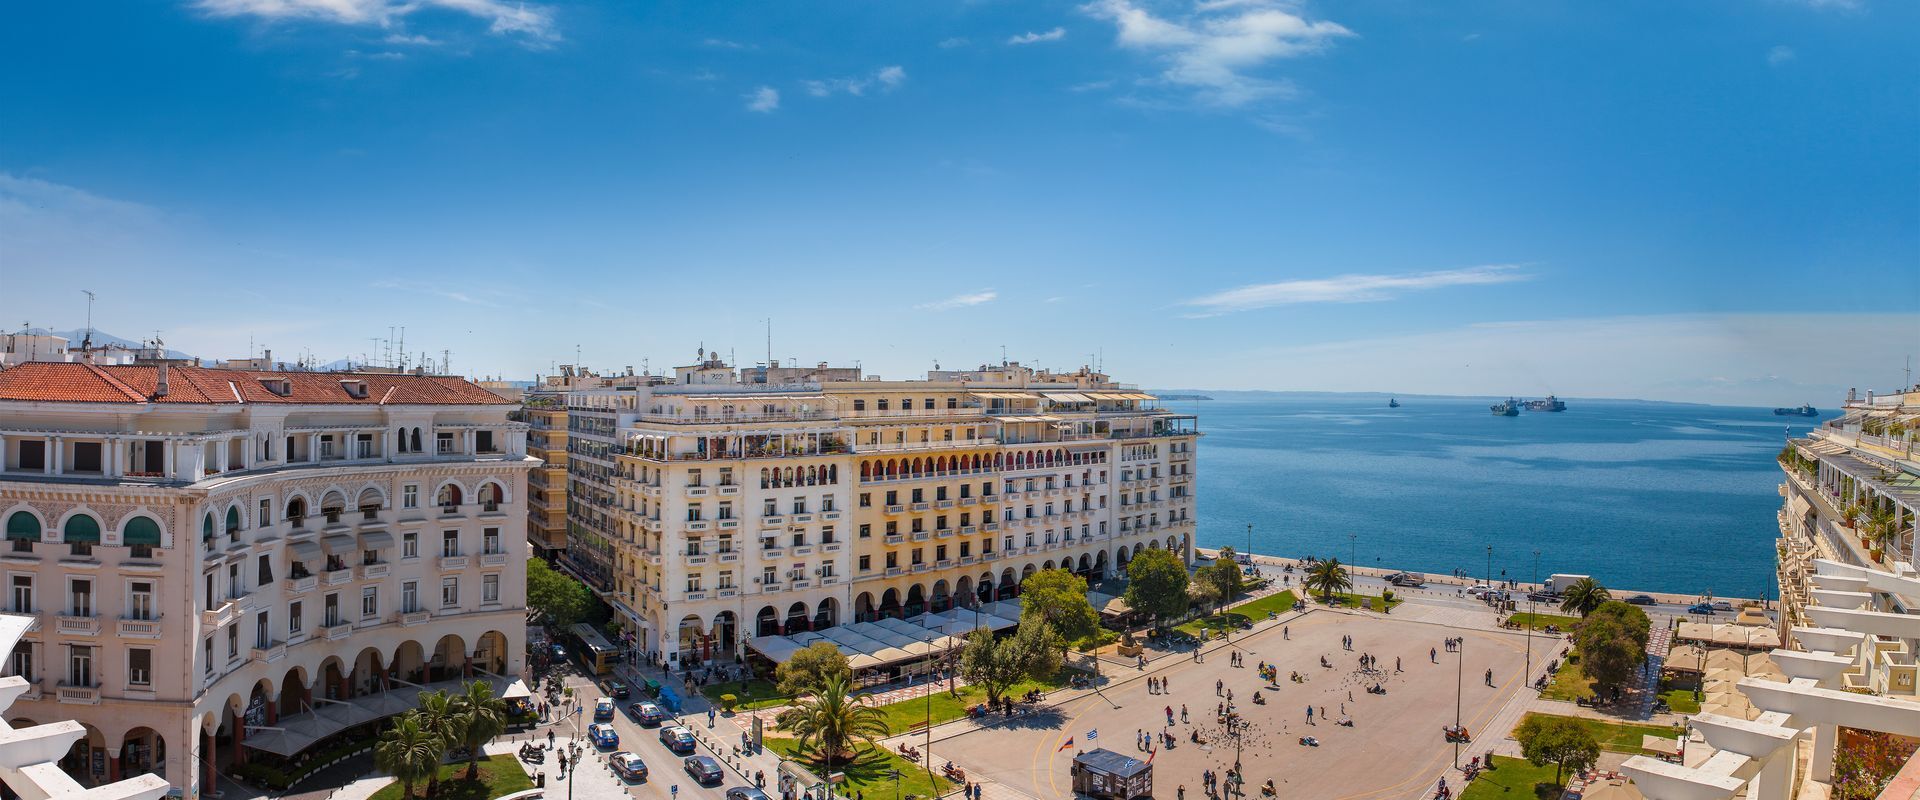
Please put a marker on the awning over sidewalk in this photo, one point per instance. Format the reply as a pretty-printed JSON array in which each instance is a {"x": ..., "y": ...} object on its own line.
[
  {"x": 885, "y": 642},
  {"x": 295, "y": 733}
]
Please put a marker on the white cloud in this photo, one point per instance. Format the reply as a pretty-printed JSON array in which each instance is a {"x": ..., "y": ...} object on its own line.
[
  {"x": 954, "y": 41},
  {"x": 1212, "y": 51},
  {"x": 888, "y": 78},
  {"x": 435, "y": 290},
  {"x": 504, "y": 18},
  {"x": 1840, "y": 5},
  {"x": 764, "y": 99},
  {"x": 964, "y": 300},
  {"x": 1780, "y": 54},
  {"x": 416, "y": 39},
  {"x": 1091, "y": 86},
  {"x": 1349, "y": 288},
  {"x": 1030, "y": 37},
  {"x": 726, "y": 44}
]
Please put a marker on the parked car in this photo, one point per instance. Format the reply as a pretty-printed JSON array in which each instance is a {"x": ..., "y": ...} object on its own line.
[
  {"x": 559, "y": 651},
  {"x": 648, "y": 714},
  {"x": 603, "y": 736},
  {"x": 704, "y": 769},
  {"x": 1722, "y": 605},
  {"x": 603, "y": 710},
  {"x": 746, "y": 793},
  {"x": 1479, "y": 589},
  {"x": 1642, "y": 600},
  {"x": 1701, "y": 608},
  {"x": 677, "y": 738},
  {"x": 1406, "y": 579},
  {"x": 617, "y": 690},
  {"x": 628, "y": 766},
  {"x": 1543, "y": 597}
]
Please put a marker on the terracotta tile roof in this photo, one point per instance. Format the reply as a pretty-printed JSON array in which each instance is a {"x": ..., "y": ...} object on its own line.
[{"x": 86, "y": 383}]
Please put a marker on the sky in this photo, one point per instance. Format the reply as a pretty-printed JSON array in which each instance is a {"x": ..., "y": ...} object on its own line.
[{"x": 1714, "y": 201}]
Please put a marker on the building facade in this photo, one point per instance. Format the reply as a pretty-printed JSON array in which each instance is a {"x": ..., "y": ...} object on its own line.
[
  {"x": 766, "y": 502},
  {"x": 1849, "y": 580},
  {"x": 222, "y": 563}
]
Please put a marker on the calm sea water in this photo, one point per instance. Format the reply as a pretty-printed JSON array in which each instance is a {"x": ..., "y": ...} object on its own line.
[{"x": 1644, "y": 496}]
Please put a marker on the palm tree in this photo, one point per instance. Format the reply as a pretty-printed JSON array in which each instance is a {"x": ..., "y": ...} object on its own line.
[
  {"x": 1584, "y": 596},
  {"x": 832, "y": 720},
  {"x": 409, "y": 751},
  {"x": 1883, "y": 528},
  {"x": 1328, "y": 577},
  {"x": 482, "y": 717},
  {"x": 441, "y": 718}
]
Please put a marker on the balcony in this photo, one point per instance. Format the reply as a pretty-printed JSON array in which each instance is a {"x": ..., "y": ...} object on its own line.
[
  {"x": 895, "y": 538},
  {"x": 728, "y": 591},
  {"x": 770, "y": 587},
  {"x": 729, "y": 489},
  {"x": 921, "y": 507},
  {"x": 696, "y": 559},
  {"x": 989, "y": 527},
  {"x": 896, "y": 509},
  {"x": 697, "y": 491},
  {"x": 337, "y": 632},
  {"x": 803, "y": 550},
  {"x": 409, "y": 619},
  {"x": 967, "y": 501},
  {"x": 302, "y": 584},
  {"x": 140, "y": 628},
  {"x": 76, "y": 625},
  {"x": 697, "y": 525},
  {"x": 921, "y": 567},
  {"x": 493, "y": 559},
  {"x": 829, "y": 515},
  {"x": 801, "y": 516},
  {"x": 802, "y": 584},
  {"x": 270, "y": 653},
  {"x": 895, "y": 572},
  {"x": 968, "y": 530},
  {"x": 772, "y": 521},
  {"x": 78, "y": 695},
  {"x": 339, "y": 577},
  {"x": 226, "y": 613},
  {"x": 651, "y": 557},
  {"x": 943, "y": 533},
  {"x": 830, "y": 547},
  {"x": 729, "y": 524},
  {"x": 695, "y": 595},
  {"x": 829, "y": 580},
  {"x": 775, "y": 551},
  {"x": 453, "y": 562},
  {"x": 727, "y": 557},
  {"x": 942, "y": 564},
  {"x": 369, "y": 571}
]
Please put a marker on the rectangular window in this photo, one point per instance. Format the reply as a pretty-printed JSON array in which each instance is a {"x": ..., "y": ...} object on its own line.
[
  {"x": 23, "y": 594},
  {"x": 266, "y": 511},
  {"x": 233, "y": 642},
  {"x": 294, "y": 625},
  {"x": 206, "y": 653},
  {"x": 80, "y": 598},
  {"x": 866, "y": 563},
  {"x": 866, "y": 530},
  {"x": 410, "y": 545},
  {"x": 893, "y": 560},
  {"x": 490, "y": 541},
  {"x": 826, "y": 534},
  {"x": 265, "y": 571},
  {"x": 86, "y": 457},
  {"x": 866, "y": 499},
  {"x": 140, "y": 600},
  {"x": 918, "y": 557},
  {"x": 139, "y": 666},
  {"x": 262, "y": 631},
  {"x": 22, "y": 661},
  {"x": 450, "y": 544},
  {"x": 33, "y": 454},
  {"x": 409, "y": 597},
  {"x": 369, "y": 602},
  {"x": 694, "y": 582},
  {"x": 410, "y": 496},
  {"x": 449, "y": 592},
  {"x": 940, "y": 552},
  {"x": 80, "y": 665},
  {"x": 490, "y": 588}
]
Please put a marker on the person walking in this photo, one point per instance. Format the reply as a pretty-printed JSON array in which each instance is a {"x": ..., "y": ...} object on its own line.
[
  {"x": 1309, "y": 715},
  {"x": 1183, "y": 713}
]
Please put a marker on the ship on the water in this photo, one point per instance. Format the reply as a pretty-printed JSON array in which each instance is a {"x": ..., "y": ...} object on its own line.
[
  {"x": 1803, "y": 411},
  {"x": 1550, "y": 404},
  {"x": 1510, "y": 408},
  {"x": 1393, "y": 403}
]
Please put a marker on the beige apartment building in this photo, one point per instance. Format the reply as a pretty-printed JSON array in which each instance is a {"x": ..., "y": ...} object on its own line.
[
  {"x": 765, "y": 502},
  {"x": 219, "y": 565}
]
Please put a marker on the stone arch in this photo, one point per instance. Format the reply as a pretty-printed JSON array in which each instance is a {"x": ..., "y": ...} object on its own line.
[
  {"x": 941, "y": 599},
  {"x": 368, "y": 673},
  {"x": 333, "y": 503},
  {"x": 766, "y": 622},
  {"x": 1009, "y": 585},
  {"x": 1122, "y": 556},
  {"x": 371, "y": 497},
  {"x": 490, "y": 653},
  {"x": 1100, "y": 561},
  {"x": 449, "y": 659},
  {"x": 410, "y": 661},
  {"x": 890, "y": 603},
  {"x": 142, "y": 527},
  {"x": 916, "y": 600},
  {"x": 78, "y": 759},
  {"x": 295, "y": 696},
  {"x": 826, "y": 614},
  {"x": 142, "y": 750},
  {"x": 963, "y": 590},
  {"x": 863, "y": 607},
  {"x": 726, "y": 628},
  {"x": 1048, "y": 565},
  {"x": 296, "y": 509},
  {"x": 26, "y": 523},
  {"x": 1153, "y": 544},
  {"x": 1136, "y": 549},
  {"x": 332, "y": 676},
  {"x": 1086, "y": 562},
  {"x": 492, "y": 494},
  {"x": 692, "y": 639},
  {"x": 449, "y": 494},
  {"x": 796, "y": 619},
  {"x": 984, "y": 587}
]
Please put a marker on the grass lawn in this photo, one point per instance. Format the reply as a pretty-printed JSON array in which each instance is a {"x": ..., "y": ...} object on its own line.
[
  {"x": 1513, "y": 779},
  {"x": 1681, "y": 701},
  {"x": 1569, "y": 682},
  {"x": 872, "y": 771},
  {"x": 499, "y": 776},
  {"x": 1619, "y": 737},
  {"x": 907, "y": 715},
  {"x": 1351, "y": 600},
  {"x": 1235, "y": 616},
  {"x": 1541, "y": 621},
  {"x": 753, "y": 694}
]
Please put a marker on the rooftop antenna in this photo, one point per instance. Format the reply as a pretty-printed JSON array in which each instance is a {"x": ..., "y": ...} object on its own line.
[
  {"x": 1003, "y": 355},
  {"x": 769, "y": 341},
  {"x": 87, "y": 342},
  {"x": 403, "y": 347},
  {"x": 446, "y": 362}
]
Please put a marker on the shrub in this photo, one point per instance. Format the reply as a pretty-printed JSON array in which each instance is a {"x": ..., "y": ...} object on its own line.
[{"x": 728, "y": 701}]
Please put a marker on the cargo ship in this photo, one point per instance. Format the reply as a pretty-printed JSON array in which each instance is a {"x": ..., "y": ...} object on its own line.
[
  {"x": 1803, "y": 411},
  {"x": 1550, "y": 404},
  {"x": 1510, "y": 408}
]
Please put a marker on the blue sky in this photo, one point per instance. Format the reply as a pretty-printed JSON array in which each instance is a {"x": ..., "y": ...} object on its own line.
[{"x": 1713, "y": 201}]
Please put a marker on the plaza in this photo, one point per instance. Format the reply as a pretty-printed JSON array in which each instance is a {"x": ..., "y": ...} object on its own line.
[{"x": 1395, "y": 748}]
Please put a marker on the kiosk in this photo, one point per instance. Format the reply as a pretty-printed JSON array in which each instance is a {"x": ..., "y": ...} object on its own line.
[{"x": 1107, "y": 775}]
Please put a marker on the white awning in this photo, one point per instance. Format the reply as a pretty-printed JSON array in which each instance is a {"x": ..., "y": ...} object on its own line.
[
  {"x": 376, "y": 540},
  {"x": 307, "y": 551},
  {"x": 338, "y": 543},
  {"x": 1068, "y": 397}
]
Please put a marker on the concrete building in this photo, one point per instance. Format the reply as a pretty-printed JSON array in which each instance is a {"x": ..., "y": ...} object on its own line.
[
  {"x": 220, "y": 564},
  {"x": 736, "y": 506},
  {"x": 1849, "y": 591}
]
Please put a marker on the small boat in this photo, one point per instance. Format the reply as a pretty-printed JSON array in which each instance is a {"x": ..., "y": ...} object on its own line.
[
  {"x": 1510, "y": 408},
  {"x": 1550, "y": 404},
  {"x": 1392, "y": 403},
  {"x": 1803, "y": 411}
]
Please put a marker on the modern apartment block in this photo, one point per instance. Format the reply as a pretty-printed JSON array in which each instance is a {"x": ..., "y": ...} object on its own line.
[
  {"x": 770, "y": 501},
  {"x": 215, "y": 564},
  {"x": 1849, "y": 592}
]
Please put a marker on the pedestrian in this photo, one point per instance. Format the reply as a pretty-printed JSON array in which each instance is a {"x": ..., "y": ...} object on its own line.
[
  {"x": 1285, "y": 633},
  {"x": 1180, "y": 793},
  {"x": 1309, "y": 715},
  {"x": 1396, "y": 664},
  {"x": 1216, "y": 687},
  {"x": 1183, "y": 712},
  {"x": 1433, "y": 655}
]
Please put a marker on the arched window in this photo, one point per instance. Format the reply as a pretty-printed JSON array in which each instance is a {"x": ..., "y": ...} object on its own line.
[
  {"x": 415, "y": 448},
  {"x": 400, "y": 440},
  {"x": 233, "y": 520},
  {"x": 206, "y": 527},
  {"x": 141, "y": 534},
  {"x": 491, "y": 497},
  {"x": 296, "y": 513},
  {"x": 448, "y": 497},
  {"x": 23, "y": 529},
  {"x": 81, "y": 533}
]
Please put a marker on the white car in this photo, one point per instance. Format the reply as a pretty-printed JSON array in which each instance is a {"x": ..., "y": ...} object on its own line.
[{"x": 1479, "y": 589}]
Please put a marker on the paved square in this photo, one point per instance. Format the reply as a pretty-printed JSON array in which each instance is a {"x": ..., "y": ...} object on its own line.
[{"x": 1395, "y": 749}]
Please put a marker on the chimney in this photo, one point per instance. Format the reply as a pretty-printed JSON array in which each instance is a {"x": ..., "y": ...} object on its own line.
[
  {"x": 266, "y": 357},
  {"x": 160, "y": 390}
]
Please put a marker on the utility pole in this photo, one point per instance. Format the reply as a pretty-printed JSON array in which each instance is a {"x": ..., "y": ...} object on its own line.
[
  {"x": 1531, "y": 616},
  {"x": 1459, "y": 688},
  {"x": 1249, "y": 541}
]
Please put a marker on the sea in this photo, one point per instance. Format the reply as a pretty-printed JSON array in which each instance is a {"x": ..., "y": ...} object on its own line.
[{"x": 1643, "y": 496}]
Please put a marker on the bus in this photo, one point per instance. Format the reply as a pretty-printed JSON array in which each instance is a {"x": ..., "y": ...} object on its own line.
[{"x": 596, "y": 654}]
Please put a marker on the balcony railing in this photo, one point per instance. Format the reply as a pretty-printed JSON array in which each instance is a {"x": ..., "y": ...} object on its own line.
[
  {"x": 140, "y": 628},
  {"x": 493, "y": 559},
  {"x": 336, "y": 632},
  {"x": 79, "y": 695},
  {"x": 374, "y": 570},
  {"x": 412, "y": 618},
  {"x": 453, "y": 562},
  {"x": 271, "y": 653},
  {"x": 77, "y": 625}
]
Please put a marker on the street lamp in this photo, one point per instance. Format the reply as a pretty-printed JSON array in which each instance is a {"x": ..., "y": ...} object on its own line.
[
  {"x": 1459, "y": 689},
  {"x": 1353, "y": 550},
  {"x": 1489, "y": 565},
  {"x": 1532, "y": 617}
]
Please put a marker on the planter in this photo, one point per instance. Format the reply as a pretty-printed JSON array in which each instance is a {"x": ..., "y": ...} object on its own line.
[{"x": 1130, "y": 650}]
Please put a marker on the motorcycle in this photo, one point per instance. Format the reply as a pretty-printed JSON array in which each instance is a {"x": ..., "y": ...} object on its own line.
[{"x": 532, "y": 754}]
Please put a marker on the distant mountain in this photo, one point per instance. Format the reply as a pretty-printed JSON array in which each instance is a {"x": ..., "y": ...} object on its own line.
[{"x": 75, "y": 336}]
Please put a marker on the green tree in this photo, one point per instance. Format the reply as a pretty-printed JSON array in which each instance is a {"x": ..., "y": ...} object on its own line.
[
  {"x": 810, "y": 669},
  {"x": 410, "y": 751},
  {"x": 1613, "y": 644},
  {"x": 1584, "y": 596},
  {"x": 1564, "y": 742},
  {"x": 1157, "y": 584},
  {"x": 1222, "y": 580},
  {"x": 831, "y": 721},
  {"x": 1059, "y": 598},
  {"x": 560, "y": 599},
  {"x": 1634, "y": 621},
  {"x": 439, "y": 715},
  {"x": 1327, "y": 577},
  {"x": 482, "y": 716},
  {"x": 996, "y": 664}
]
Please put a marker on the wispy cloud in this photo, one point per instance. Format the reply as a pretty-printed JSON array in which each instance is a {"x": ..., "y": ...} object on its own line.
[
  {"x": 1213, "y": 51},
  {"x": 415, "y": 39},
  {"x": 886, "y": 78},
  {"x": 1831, "y": 5},
  {"x": 1091, "y": 86},
  {"x": 435, "y": 290},
  {"x": 954, "y": 41},
  {"x": 965, "y": 300},
  {"x": 1780, "y": 54},
  {"x": 1349, "y": 288},
  {"x": 1031, "y": 37},
  {"x": 727, "y": 44},
  {"x": 764, "y": 100},
  {"x": 535, "y": 25}
]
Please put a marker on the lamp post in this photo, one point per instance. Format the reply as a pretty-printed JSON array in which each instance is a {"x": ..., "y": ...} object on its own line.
[
  {"x": 1489, "y": 565},
  {"x": 1353, "y": 549},
  {"x": 1531, "y": 616},
  {"x": 1459, "y": 688}
]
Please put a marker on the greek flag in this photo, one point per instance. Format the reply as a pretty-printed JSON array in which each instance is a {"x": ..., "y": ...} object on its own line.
[{"x": 1093, "y": 734}]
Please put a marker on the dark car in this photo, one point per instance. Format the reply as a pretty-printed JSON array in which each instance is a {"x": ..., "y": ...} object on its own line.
[
  {"x": 677, "y": 738},
  {"x": 603, "y": 736},
  {"x": 617, "y": 689},
  {"x": 704, "y": 769},
  {"x": 559, "y": 651},
  {"x": 1700, "y": 608},
  {"x": 1544, "y": 597},
  {"x": 647, "y": 713},
  {"x": 1642, "y": 600},
  {"x": 746, "y": 793},
  {"x": 628, "y": 766}
]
